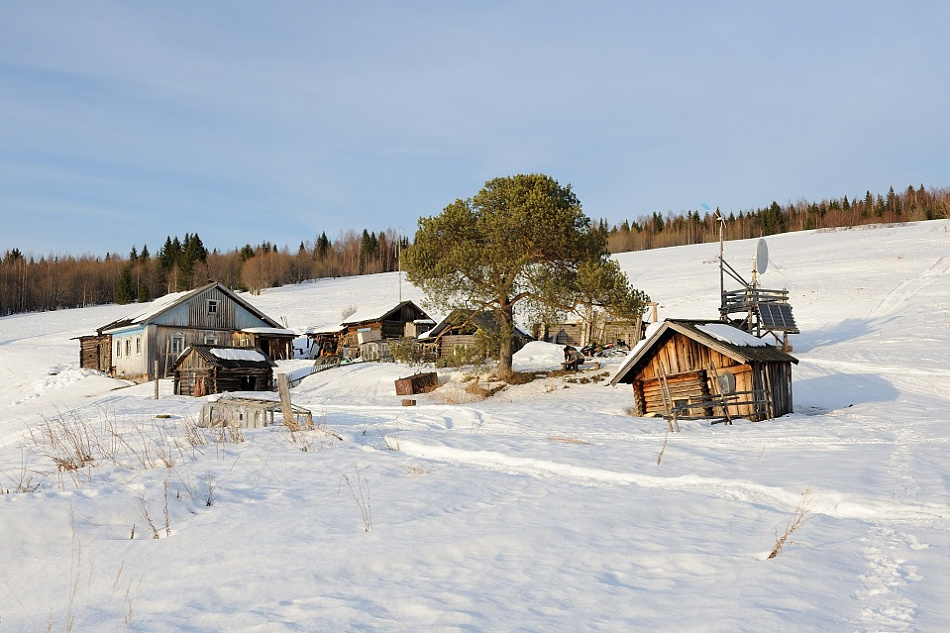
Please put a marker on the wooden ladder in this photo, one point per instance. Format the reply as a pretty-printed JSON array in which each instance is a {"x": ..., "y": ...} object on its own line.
[{"x": 671, "y": 420}]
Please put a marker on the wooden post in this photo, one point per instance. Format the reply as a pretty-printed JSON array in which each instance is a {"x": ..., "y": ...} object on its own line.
[
  {"x": 672, "y": 422},
  {"x": 155, "y": 367},
  {"x": 283, "y": 388}
]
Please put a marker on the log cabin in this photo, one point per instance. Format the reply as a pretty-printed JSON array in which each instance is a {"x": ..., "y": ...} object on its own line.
[
  {"x": 703, "y": 368},
  {"x": 205, "y": 369}
]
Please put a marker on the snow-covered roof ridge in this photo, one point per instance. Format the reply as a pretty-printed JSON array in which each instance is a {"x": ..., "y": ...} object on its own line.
[
  {"x": 231, "y": 353},
  {"x": 730, "y": 334},
  {"x": 373, "y": 312},
  {"x": 155, "y": 308}
]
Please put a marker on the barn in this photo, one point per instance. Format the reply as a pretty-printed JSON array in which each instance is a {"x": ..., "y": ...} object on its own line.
[
  {"x": 692, "y": 368},
  {"x": 204, "y": 369}
]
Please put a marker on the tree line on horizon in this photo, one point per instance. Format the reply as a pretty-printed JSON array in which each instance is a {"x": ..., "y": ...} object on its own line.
[
  {"x": 695, "y": 227},
  {"x": 30, "y": 284}
]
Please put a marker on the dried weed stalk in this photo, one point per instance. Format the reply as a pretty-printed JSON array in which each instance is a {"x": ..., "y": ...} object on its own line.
[{"x": 802, "y": 515}]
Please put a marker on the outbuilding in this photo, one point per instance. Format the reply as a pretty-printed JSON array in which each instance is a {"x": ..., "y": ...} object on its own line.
[
  {"x": 705, "y": 368},
  {"x": 205, "y": 369},
  {"x": 462, "y": 331}
]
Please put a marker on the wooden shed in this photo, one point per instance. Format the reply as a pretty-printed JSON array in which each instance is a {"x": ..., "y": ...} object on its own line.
[
  {"x": 705, "y": 369},
  {"x": 204, "y": 369},
  {"x": 381, "y": 322},
  {"x": 95, "y": 352},
  {"x": 457, "y": 334}
]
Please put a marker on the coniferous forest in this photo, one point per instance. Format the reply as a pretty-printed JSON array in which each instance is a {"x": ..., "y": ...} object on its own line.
[{"x": 30, "y": 283}]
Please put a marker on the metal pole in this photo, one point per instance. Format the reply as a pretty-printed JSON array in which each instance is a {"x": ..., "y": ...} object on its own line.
[
  {"x": 399, "y": 260},
  {"x": 722, "y": 282}
]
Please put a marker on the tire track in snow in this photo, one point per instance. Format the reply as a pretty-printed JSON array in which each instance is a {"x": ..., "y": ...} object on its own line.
[
  {"x": 907, "y": 288},
  {"x": 828, "y": 502}
]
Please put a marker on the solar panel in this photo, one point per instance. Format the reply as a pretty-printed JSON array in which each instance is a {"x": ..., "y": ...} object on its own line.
[{"x": 777, "y": 316}]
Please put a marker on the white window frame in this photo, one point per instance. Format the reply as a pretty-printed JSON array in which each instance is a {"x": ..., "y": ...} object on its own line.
[
  {"x": 213, "y": 306},
  {"x": 138, "y": 345},
  {"x": 178, "y": 343}
]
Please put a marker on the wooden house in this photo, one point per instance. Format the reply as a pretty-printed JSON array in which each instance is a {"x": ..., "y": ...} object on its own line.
[
  {"x": 380, "y": 322},
  {"x": 705, "y": 368},
  {"x": 363, "y": 333},
  {"x": 158, "y": 332},
  {"x": 458, "y": 334},
  {"x": 204, "y": 369}
]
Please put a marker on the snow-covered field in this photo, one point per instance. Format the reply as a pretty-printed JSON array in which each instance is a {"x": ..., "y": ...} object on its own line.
[{"x": 544, "y": 508}]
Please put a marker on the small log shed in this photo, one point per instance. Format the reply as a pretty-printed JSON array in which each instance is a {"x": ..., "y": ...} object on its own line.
[
  {"x": 205, "y": 369},
  {"x": 707, "y": 368}
]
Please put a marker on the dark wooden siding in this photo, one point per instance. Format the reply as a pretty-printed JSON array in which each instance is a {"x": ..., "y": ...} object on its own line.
[
  {"x": 95, "y": 352},
  {"x": 196, "y": 377}
]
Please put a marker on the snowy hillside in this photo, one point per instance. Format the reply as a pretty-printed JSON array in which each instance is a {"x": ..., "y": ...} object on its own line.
[{"x": 544, "y": 508}]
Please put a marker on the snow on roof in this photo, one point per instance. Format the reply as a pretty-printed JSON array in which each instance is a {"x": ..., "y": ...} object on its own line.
[
  {"x": 149, "y": 310},
  {"x": 631, "y": 357},
  {"x": 238, "y": 354},
  {"x": 268, "y": 330},
  {"x": 732, "y": 335},
  {"x": 371, "y": 313},
  {"x": 325, "y": 329}
]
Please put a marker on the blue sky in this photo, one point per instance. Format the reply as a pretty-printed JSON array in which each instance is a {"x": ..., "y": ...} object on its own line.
[{"x": 122, "y": 123}]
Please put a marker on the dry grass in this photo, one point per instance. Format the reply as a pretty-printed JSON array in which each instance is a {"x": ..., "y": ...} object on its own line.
[
  {"x": 77, "y": 444},
  {"x": 362, "y": 497},
  {"x": 311, "y": 436},
  {"x": 802, "y": 515},
  {"x": 568, "y": 440},
  {"x": 523, "y": 377},
  {"x": 415, "y": 470},
  {"x": 21, "y": 481},
  {"x": 67, "y": 441}
]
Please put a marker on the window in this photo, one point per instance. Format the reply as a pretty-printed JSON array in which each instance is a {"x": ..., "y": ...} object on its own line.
[
  {"x": 211, "y": 339},
  {"x": 128, "y": 347},
  {"x": 118, "y": 348},
  {"x": 138, "y": 345},
  {"x": 178, "y": 343},
  {"x": 212, "y": 306}
]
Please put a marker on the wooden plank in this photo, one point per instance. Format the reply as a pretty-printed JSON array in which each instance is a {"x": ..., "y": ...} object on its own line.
[{"x": 283, "y": 389}]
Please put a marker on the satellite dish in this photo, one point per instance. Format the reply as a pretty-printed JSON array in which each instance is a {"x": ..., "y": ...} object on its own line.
[
  {"x": 761, "y": 262},
  {"x": 727, "y": 382}
]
